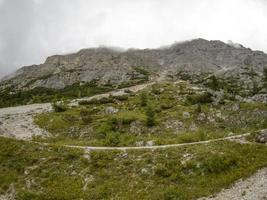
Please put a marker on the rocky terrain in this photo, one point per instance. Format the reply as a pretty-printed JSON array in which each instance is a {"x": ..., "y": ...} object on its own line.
[
  {"x": 253, "y": 188},
  {"x": 196, "y": 59},
  {"x": 102, "y": 122}
]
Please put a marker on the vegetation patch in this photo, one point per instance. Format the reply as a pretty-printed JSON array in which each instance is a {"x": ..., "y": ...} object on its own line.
[
  {"x": 176, "y": 113},
  {"x": 56, "y": 172}
]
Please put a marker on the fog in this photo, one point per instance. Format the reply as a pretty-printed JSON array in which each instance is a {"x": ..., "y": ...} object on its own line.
[{"x": 31, "y": 30}]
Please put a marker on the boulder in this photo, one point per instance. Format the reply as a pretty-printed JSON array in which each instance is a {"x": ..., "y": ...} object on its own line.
[
  {"x": 111, "y": 110},
  {"x": 174, "y": 125},
  {"x": 136, "y": 127},
  {"x": 186, "y": 115},
  {"x": 150, "y": 143},
  {"x": 261, "y": 136}
]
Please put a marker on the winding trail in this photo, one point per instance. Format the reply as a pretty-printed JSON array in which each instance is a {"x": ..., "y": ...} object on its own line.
[
  {"x": 17, "y": 122},
  {"x": 157, "y": 146}
]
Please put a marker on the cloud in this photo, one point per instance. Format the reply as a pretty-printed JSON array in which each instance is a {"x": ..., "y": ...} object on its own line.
[{"x": 31, "y": 30}]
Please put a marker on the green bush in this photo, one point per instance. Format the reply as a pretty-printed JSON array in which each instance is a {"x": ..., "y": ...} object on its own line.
[
  {"x": 162, "y": 171},
  {"x": 112, "y": 139},
  {"x": 121, "y": 98},
  {"x": 150, "y": 117},
  {"x": 199, "y": 98},
  {"x": 213, "y": 83},
  {"x": 105, "y": 100},
  {"x": 59, "y": 107},
  {"x": 219, "y": 163},
  {"x": 143, "y": 99},
  {"x": 156, "y": 89},
  {"x": 86, "y": 116}
]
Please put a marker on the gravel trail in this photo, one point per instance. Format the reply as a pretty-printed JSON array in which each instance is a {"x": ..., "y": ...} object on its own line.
[{"x": 252, "y": 188}]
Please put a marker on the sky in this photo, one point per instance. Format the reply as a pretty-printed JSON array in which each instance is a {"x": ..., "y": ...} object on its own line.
[{"x": 31, "y": 30}]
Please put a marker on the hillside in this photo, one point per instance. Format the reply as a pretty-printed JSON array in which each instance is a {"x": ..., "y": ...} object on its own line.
[
  {"x": 234, "y": 66},
  {"x": 185, "y": 122}
]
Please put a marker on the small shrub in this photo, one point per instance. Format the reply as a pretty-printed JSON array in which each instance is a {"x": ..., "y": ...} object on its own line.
[
  {"x": 219, "y": 163},
  {"x": 156, "y": 89},
  {"x": 167, "y": 105},
  {"x": 150, "y": 117},
  {"x": 213, "y": 83},
  {"x": 198, "y": 109},
  {"x": 59, "y": 107},
  {"x": 199, "y": 98},
  {"x": 112, "y": 139},
  {"x": 143, "y": 99},
  {"x": 105, "y": 100},
  {"x": 84, "y": 102},
  {"x": 121, "y": 98},
  {"x": 86, "y": 116},
  {"x": 162, "y": 171}
]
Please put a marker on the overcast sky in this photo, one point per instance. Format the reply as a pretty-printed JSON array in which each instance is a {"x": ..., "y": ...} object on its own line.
[{"x": 31, "y": 30}]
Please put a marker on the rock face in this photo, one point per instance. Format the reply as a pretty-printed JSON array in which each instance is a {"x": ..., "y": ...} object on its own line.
[
  {"x": 108, "y": 66},
  {"x": 261, "y": 137}
]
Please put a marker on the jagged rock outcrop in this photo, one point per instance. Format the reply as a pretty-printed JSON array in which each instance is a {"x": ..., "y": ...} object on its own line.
[{"x": 191, "y": 59}]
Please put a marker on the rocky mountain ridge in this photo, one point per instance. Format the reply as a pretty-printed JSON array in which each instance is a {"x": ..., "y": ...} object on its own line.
[{"x": 195, "y": 60}]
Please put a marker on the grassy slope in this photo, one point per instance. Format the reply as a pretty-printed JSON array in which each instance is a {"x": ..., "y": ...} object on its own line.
[
  {"x": 42, "y": 172},
  {"x": 168, "y": 103}
]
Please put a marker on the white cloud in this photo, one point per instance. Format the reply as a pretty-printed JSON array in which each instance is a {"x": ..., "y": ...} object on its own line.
[{"x": 34, "y": 29}]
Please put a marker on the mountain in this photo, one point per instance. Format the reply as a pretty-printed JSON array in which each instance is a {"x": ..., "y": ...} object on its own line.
[{"x": 197, "y": 61}]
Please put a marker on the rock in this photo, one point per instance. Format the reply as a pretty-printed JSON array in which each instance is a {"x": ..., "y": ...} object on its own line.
[
  {"x": 139, "y": 143},
  {"x": 144, "y": 171},
  {"x": 201, "y": 117},
  {"x": 136, "y": 128},
  {"x": 111, "y": 110},
  {"x": 219, "y": 115},
  {"x": 174, "y": 125},
  {"x": 261, "y": 136},
  {"x": 109, "y": 66},
  {"x": 193, "y": 127},
  {"x": 236, "y": 107},
  {"x": 186, "y": 115},
  {"x": 150, "y": 143},
  {"x": 73, "y": 173},
  {"x": 211, "y": 119},
  {"x": 260, "y": 98}
]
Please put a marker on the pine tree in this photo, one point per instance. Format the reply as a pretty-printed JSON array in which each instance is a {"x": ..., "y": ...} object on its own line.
[
  {"x": 150, "y": 117},
  {"x": 143, "y": 99}
]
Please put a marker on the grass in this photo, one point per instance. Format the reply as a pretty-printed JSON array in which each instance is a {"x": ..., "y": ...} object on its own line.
[
  {"x": 88, "y": 124},
  {"x": 54, "y": 172}
]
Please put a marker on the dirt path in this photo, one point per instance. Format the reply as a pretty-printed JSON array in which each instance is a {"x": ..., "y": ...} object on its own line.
[
  {"x": 118, "y": 92},
  {"x": 253, "y": 188},
  {"x": 17, "y": 122},
  {"x": 157, "y": 146}
]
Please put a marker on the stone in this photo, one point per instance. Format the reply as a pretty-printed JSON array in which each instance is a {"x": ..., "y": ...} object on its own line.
[
  {"x": 136, "y": 128},
  {"x": 236, "y": 107},
  {"x": 109, "y": 66},
  {"x": 201, "y": 117},
  {"x": 186, "y": 115},
  {"x": 144, "y": 171},
  {"x": 139, "y": 143},
  {"x": 193, "y": 127},
  {"x": 261, "y": 136},
  {"x": 111, "y": 110},
  {"x": 174, "y": 125},
  {"x": 150, "y": 143}
]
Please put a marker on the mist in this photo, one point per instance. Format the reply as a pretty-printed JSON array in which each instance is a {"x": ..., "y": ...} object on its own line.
[{"x": 31, "y": 30}]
